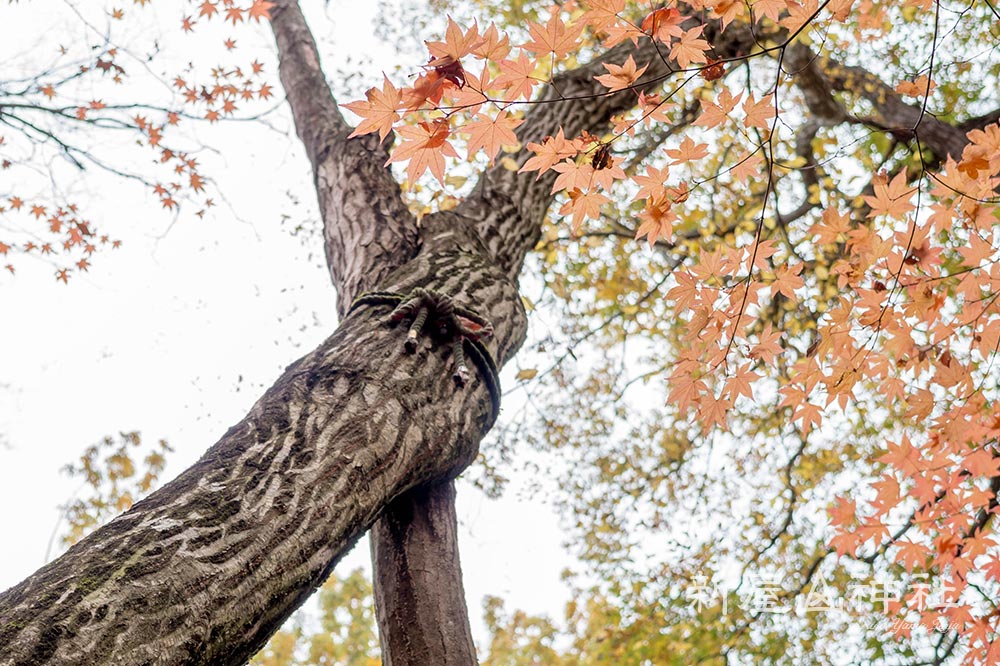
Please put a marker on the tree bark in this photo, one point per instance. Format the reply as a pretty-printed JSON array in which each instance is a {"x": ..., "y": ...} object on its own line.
[
  {"x": 419, "y": 596},
  {"x": 423, "y": 618},
  {"x": 204, "y": 570},
  {"x": 419, "y": 600}
]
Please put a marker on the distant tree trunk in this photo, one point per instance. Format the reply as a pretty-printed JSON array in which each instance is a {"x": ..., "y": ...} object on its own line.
[
  {"x": 419, "y": 596},
  {"x": 357, "y": 432}
]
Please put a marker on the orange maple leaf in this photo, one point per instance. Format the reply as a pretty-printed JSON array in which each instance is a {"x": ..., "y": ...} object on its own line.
[
  {"x": 714, "y": 114},
  {"x": 425, "y": 145},
  {"x": 652, "y": 184},
  {"x": 601, "y": 14},
  {"x": 686, "y": 292},
  {"x": 379, "y": 112},
  {"x": 747, "y": 166},
  {"x": 620, "y": 77},
  {"x": 712, "y": 411},
  {"x": 492, "y": 133},
  {"x": 690, "y": 48},
  {"x": 456, "y": 43},
  {"x": 918, "y": 88},
  {"x": 554, "y": 38},
  {"x": 798, "y": 14},
  {"x": 758, "y": 113},
  {"x": 688, "y": 151},
  {"x": 583, "y": 205},
  {"x": 657, "y": 220},
  {"x": 493, "y": 47},
  {"x": 663, "y": 23},
  {"x": 208, "y": 8},
  {"x": 843, "y": 512},
  {"x": 767, "y": 346},
  {"x": 891, "y": 198},
  {"x": 741, "y": 383},
  {"x": 197, "y": 182},
  {"x": 572, "y": 175},
  {"x": 787, "y": 280},
  {"x": 260, "y": 9},
  {"x": 769, "y": 8},
  {"x": 727, "y": 10},
  {"x": 686, "y": 390},
  {"x": 517, "y": 77},
  {"x": 550, "y": 152}
]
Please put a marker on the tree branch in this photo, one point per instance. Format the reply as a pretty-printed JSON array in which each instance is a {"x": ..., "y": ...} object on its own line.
[
  {"x": 367, "y": 229},
  {"x": 508, "y": 208},
  {"x": 893, "y": 114}
]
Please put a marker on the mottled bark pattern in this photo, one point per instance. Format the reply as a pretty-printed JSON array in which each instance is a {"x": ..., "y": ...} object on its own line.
[
  {"x": 367, "y": 232},
  {"x": 367, "y": 229},
  {"x": 208, "y": 567}
]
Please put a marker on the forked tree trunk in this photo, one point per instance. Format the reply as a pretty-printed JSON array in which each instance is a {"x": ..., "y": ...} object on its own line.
[
  {"x": 204, "y": 570},
  {"x": 419, "y": 595}
]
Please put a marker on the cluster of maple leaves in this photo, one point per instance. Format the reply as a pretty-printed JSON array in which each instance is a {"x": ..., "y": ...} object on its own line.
[
  {"x": 901, "y": 284},
  {"x": 69, "y": 239},
  {"x": 904, "y": 297}
]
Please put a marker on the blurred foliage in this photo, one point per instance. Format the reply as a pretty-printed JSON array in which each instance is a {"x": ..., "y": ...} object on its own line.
[
  {"x": 346, "y": 635},
  {"x": 116, "y": 473}
]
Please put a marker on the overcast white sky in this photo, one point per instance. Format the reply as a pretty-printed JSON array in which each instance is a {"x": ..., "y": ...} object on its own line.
[{"x": 178, "y": 333}]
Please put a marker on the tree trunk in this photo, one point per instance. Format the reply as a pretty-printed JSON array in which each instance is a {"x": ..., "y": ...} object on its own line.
[
  {"x": 415, "y": 550},
  {"x": 204, "y": 570}
]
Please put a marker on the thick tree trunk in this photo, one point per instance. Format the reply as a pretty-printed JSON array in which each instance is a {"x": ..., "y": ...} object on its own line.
[
  {"x": 204, "y": 570},
  {"x": 422, "y": 614},
  {"x": 420, "y": 599}
]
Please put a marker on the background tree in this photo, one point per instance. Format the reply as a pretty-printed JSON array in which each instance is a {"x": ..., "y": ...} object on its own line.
[
  {"x": 860, "y": 313},
  {"x": 98, "y": 104}
]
